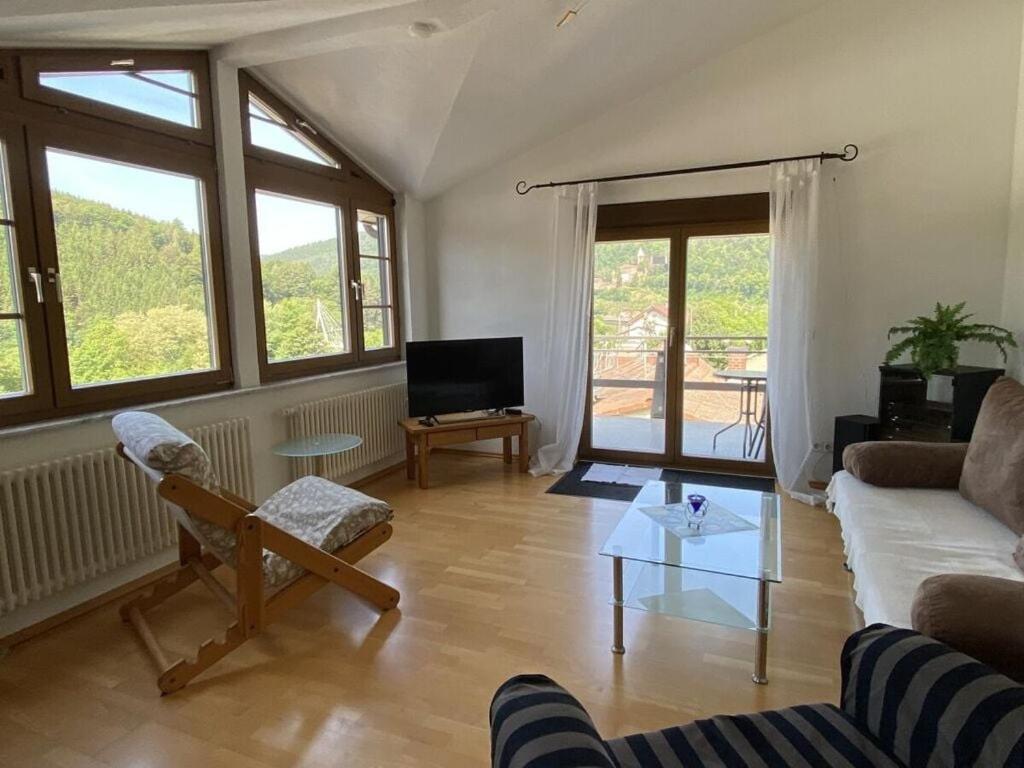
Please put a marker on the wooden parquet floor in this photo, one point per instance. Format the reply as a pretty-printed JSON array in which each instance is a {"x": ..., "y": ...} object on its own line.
[{"x": 497, "y": 578}]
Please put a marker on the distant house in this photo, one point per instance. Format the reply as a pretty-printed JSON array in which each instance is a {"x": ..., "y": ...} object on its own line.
[{"x": 652, "y": 321}]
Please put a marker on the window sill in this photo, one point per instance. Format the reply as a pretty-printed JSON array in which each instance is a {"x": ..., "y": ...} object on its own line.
[{"x": 34, "y": 428}]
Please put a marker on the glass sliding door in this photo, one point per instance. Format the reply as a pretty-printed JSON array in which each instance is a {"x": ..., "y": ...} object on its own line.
[
  {"x": 679, "y": 345},
  {"x": 630, "y": 346},
  {"x": 724, "y": 365}
]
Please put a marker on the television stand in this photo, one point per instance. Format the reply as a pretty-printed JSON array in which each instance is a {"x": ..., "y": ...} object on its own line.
[{"x": 420, "y": 439}]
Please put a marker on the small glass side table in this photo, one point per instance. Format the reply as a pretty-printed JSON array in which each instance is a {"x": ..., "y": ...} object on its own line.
[{"x": 318, "y": 448}]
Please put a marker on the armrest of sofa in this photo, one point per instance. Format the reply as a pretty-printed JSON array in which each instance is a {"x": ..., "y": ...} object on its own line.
[
  {"x": 904, "y": 464},
  {"x": 535, "y": 722},
  {"x": 927, "y": 704},
  {"x": 982, "y": 616}
]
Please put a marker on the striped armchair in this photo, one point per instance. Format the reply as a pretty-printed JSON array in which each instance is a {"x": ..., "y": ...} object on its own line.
[{"x": 907, "y": 701}]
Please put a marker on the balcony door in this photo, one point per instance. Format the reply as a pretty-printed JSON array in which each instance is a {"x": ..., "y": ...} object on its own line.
[{"x": 679, "y": 336}]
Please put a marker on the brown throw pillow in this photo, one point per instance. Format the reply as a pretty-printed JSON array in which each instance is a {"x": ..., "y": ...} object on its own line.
[
  {"x": 896, "y": 464},
  {"x": 993, "y": 476},
  {"x": 982, "y": 616}
]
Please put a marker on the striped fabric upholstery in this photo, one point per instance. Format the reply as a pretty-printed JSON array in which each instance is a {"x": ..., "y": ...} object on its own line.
[
  {"x": 907, "y": 702},
  {"x": 535, "y": 723},
  {"x": 808, "y": 736},
  {"x": 929, "y": 705}
]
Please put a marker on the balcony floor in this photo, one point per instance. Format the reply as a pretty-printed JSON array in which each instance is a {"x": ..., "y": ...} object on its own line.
[{"x": 644, "y": 434}]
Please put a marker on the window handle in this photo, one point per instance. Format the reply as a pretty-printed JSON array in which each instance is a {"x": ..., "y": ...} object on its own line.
[
  {"x": 53, "y": 276},
  {"x": 358, "y": 287},
  {"x": 37, "y": 281}
]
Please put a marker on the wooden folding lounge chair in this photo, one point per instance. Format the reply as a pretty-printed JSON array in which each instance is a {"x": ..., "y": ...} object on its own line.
[{"x": 306, "y": 535}]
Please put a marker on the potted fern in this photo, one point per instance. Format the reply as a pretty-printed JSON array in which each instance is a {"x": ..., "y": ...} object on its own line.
[{"x": 934, "y": 342}]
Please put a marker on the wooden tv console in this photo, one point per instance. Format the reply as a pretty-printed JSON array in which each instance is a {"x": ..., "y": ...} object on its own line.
[{"x": 420, "y": 439}]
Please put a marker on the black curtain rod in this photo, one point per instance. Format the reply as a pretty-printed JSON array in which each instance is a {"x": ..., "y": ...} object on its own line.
[{"x": 849, "y": 153}]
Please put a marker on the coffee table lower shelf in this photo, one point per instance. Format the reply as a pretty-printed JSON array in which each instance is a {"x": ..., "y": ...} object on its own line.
[{"x": 713, "y": 598}]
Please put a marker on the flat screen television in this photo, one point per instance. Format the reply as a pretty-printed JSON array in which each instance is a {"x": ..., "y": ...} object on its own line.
[{"x": 464, "y": 375}]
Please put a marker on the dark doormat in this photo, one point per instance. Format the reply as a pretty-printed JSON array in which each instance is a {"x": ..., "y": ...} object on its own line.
[{"x": 571, "y": 483}]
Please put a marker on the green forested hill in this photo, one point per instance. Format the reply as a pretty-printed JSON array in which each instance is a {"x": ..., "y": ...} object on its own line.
[{"x": 135, "y": 298}]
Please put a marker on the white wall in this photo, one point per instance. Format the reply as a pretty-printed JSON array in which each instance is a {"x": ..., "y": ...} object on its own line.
[
  {"x": 927, "y": 88},
  {"x": 1013, "y": 288}
]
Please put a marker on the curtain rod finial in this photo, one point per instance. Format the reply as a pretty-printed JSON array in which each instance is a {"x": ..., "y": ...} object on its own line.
[
  {"x": 850, "y": 152},
  {"x": 522, "y": 188}
]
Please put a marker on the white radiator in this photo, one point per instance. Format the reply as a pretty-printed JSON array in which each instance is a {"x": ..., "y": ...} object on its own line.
[
  {"x": 373, "y": 414},
  {"x": 67, "y": 521}
]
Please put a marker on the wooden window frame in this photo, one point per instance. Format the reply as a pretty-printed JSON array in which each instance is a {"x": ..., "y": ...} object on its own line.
[
  {"x": 678, "y": 221},
  {"x": 267, "y": 178},
  {"x": 106, "y": 133},
  {"x": 40, "y": 399},
  {"x": 381, "y": 354},
  {"x": 33, "y": 64},
  {"x": 351, "y": 189}
]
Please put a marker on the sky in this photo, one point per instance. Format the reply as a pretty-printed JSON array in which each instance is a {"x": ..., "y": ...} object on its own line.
[{"x": 283, "y": 222}]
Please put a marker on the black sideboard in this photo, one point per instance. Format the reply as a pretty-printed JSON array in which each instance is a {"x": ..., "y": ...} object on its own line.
[{"x": 906, "y": 412}]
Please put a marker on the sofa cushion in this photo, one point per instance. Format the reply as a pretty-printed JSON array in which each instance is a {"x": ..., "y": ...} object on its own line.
[
  {"x": 981, "y": 616},
  {"x": 904, "y": 464},
  {"x": 993, "y": 474},
  {"x": 812, "y": 735}
]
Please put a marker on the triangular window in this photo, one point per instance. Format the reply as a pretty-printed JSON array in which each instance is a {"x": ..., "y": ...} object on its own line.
[{"x": 269, "y": 130}]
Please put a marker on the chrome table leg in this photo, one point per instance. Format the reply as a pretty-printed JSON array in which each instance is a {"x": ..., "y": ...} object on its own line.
[
  {"x": 760, "y": 675},
  {"x": 617, "y": 646}
]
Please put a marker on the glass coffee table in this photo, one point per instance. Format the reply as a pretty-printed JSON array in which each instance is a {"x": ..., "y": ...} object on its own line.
[{"x": 721, "y": 578}]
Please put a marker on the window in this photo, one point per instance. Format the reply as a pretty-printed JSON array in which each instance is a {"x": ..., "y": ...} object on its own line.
[
  {"x": 302, "y": 262},
  {"x": 15, "y": 378},
  {"x": 323, "y": 247},
  {"x": 133, "y": 280},
  {"x": 163, "y": 95},
  {"x": 270, "y": 131},
  {"x": 167, "y": 92},
  {"x": 375, "y": 269},
  {"x": 111, "y": 274}
]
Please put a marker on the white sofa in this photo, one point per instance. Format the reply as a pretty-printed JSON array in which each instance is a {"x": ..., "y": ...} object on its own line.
[{"x": 895, "y": 538}]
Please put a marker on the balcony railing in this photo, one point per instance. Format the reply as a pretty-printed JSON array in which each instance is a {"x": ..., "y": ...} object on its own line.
[{"x": 612, "y": 353}]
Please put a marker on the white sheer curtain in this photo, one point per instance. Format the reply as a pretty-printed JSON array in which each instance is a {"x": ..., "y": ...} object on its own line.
[
  {"x": 568, "y": 337},
  {"x": 794, "y": 193}
]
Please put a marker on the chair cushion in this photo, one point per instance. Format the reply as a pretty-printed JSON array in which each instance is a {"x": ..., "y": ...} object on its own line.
[
  {"x": 814, "y": 735},
  {"x": 163, "y": 447},
  {"x": 993, "y": 474},
  {"x": 321, "y": 513}
]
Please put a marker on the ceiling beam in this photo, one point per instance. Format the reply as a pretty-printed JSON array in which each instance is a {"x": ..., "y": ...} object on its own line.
[{"x": 356, "y": 30}]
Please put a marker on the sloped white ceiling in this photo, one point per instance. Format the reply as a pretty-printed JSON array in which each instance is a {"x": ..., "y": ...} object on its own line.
[{"x": 497, "y": 77}]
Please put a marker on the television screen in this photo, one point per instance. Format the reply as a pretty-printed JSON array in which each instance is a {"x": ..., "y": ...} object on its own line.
[{"x": 464, "y": 375}]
